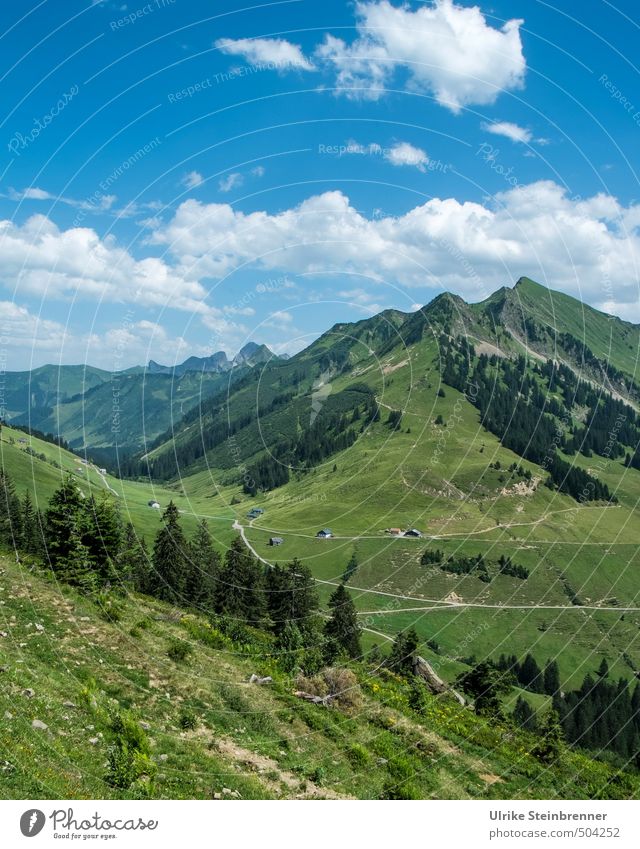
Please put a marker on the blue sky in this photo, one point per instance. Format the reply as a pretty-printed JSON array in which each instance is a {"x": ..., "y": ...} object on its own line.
[{"x": 180, "y": 177}]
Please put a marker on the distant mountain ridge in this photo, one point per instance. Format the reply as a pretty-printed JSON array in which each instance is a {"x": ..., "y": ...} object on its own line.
[
  {"x": 251, "y": 354},
  {"x": 97, "y": 409}
]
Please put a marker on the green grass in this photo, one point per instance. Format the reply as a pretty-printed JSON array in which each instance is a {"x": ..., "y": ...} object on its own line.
[{"x": 211, "y": 734}]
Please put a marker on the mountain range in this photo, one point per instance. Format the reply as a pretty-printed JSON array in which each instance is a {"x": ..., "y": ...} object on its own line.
[
  {"x": 91, "y": 408},
  {"x": 502, "y": 434}
]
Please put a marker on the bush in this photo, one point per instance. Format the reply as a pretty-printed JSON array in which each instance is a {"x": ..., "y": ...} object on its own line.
[
  {"x": 339, "y": 683},
  {"x": 179, "y": 651},
  {"x": 129, "y": 758},
  {"x": 358, "y": 756},
  {"x": 187, "y": 720}
]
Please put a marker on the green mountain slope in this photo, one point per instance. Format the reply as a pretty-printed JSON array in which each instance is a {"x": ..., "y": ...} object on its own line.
[
  {"x": 470, "y": 475},
  {"x": 124, "y": 411},
  {"x": 72, "y": 686}
]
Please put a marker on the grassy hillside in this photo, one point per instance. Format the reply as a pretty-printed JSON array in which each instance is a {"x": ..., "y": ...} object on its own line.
[
  {"x": 443, "y": 473},
  {"x": 211, "y": 734}
]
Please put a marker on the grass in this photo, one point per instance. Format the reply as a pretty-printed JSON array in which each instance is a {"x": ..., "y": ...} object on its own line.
[{"x": 210, "y": 734}]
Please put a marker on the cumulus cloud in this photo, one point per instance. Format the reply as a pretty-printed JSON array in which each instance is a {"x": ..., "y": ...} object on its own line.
[
  {"x": 231, "y": 181},
  {"x": 23, "y": 329},
  {"x": 465, "y": 247},
  {"x": 448, "y": 50},
  {"x": 192, "y": 180},
  {"x": 404, "y": 153},
  {"x": 29, "y": 336},
  {"x": 509, "y": 131},
  {"x": 40, "y": 259},
  {"x": 268, "y": 51}
]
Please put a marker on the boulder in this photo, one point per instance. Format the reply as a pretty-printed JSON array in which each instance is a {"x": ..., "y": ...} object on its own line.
[{"x": 39, "y": 725}]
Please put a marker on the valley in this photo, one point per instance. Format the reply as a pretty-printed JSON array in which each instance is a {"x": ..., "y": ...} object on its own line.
[{"x": 521, "y": 478}]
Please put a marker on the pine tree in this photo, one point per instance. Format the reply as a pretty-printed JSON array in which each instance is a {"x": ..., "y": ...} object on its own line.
[
  {"x": 551, "y": 678},
  {"x": 103, "y": 537},
  {"x": 524, "y": 715},
  {"x": 135, "y": 562},
  {"x": 167, "y": 579},
  {"x": 31, "y": 543},
  {"x": 403, "y": 652},
  {"x": 75, "y": 566},
  {"x": 292, "y": 597},
  {"x": 289, "y": 646},
  {"x": 603, "y": 669},
  {"x": 551, "y": 743},
  {"x": 10, "y": 513},
  {"x": 530, "y": 675},
  {"x": 486, "y": 684},
  {"x": 343, "y": 629},
  {"x": 203, "y": 569},
  {"x": 64, "y": 517},
  {"x": 238, "y": 593}
]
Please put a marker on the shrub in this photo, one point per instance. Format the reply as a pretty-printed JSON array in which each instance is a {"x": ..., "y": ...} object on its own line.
[
  {"x": 187, "y": 720},
  {"x": 358, "y": 756},
  {"x": 339, "y": 683},
  {"x": 129, "y": 758},
  {"x": 179, "y": 651}
]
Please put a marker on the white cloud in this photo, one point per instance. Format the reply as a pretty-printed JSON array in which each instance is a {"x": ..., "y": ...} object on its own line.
[
  {"x": 276, "y": 52},
  {"x": 258, "y": 171},
  {"x": 22, "y": 329},
  {"x": 509, "y": 131},
  {"x": 192, "y": 180},
  {"x": 448, "y": 50},
  {"x": 469, "y": 248},
  {"x": 101, "y": 203},
  {"x": 404, "y": 153},
  {"x": 231, "y": 181},
  {"x": 29, "y": 336},
  {"x": 39, "y": 259}
]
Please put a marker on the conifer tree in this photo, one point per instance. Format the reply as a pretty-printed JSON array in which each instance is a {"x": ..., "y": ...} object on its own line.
[
  {"x": 551, "y": 743},
  {"x": 292, "y": 597},
  {"x": 289, "y": 647},
  {"x": 135, "y": 562},
  {"x": 64, "y": 518},
  {"x": 10, "y": 512},
  {"x": 342, "y": 629},
  {"x": 403, "y": 652},
  {"x": 75, "y": 566},
  {"x": 551, "y": 678},
  {"x": 31, "y": 543},
  {"x": 238, "y": 593},
  {"x": 524, "y": 715},
  {"x": 486, "y": 684},
  {"x": 530, "y": 675},
  {"x": 203, "y": 569},
  {"x": 103, "y": 537},
  {"x": 351, "y": 568},
  {"x": 168, "y": 576}
]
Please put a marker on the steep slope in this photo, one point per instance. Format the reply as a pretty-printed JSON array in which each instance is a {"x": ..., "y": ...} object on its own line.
[
  {"x": 73, "y": 686},
  {"x": 597, "y": 346}
]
